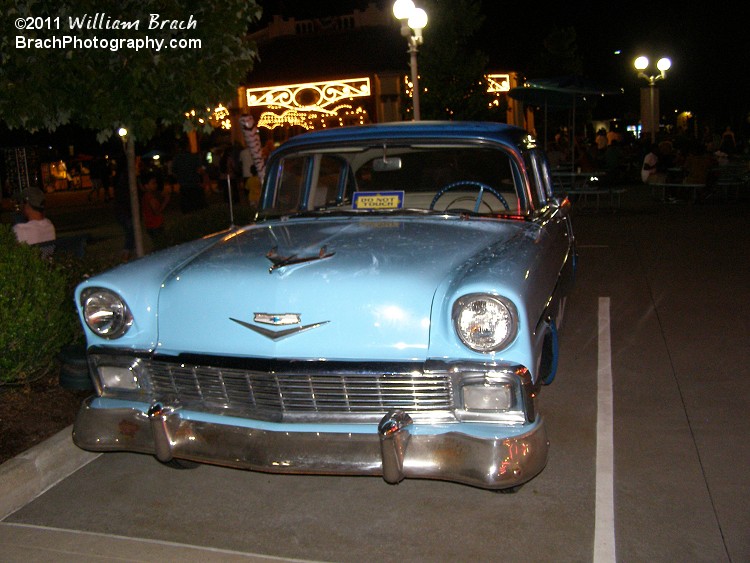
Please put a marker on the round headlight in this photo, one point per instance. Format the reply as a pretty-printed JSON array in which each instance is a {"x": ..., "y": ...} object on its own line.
[
  {"x": 485, "y": 323},
  {"x": 105, "y": 312}
]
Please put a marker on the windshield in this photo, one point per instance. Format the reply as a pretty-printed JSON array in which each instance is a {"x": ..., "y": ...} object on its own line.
[{"x": 461, "y": 179}]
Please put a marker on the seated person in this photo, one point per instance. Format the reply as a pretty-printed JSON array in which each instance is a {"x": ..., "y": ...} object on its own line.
[
  {"x": 37, "y": 227},
  {"x": 698, "y": 165},
  {"x": 653, "y": 170}
]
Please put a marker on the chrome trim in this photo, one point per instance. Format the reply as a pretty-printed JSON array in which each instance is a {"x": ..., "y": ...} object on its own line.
[
  {"x": 277, "y": 334},
  {"x": 277, "y": 319},
  {"x": 159, "y": 415},
  {"x": 319, "y": 392},
  {"x": 394, "y": 434},
  {"x": 491, "y": 462}
]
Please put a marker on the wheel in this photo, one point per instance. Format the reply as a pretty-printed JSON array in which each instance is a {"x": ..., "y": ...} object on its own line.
[
  {"x": 482, "y": 187},
  {"x": 175, "y": 463},
  {"x": 509, "y": 490},
  {"x": 74, "y": 369}
]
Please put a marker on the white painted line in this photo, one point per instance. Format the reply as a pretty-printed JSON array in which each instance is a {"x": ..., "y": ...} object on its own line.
[
  {"x": 604, "y": 526},
  {"x": 54, "y": 544}
]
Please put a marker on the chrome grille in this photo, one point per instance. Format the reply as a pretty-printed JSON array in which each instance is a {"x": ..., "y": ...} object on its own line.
[{"x": 284, "y": 394}]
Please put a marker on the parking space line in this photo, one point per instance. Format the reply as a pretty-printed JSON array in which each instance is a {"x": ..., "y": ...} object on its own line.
[{"x": 604, "y": 526}]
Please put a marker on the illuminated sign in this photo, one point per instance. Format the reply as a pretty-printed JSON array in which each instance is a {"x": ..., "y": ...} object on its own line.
[
  {"x": 497, "y": 83},
  {"x": 312, "y": 96},
  {"x": 311, "y": 105}
]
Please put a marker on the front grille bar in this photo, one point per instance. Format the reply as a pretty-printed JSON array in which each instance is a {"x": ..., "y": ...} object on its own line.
[{"x": 278, "y": 396}]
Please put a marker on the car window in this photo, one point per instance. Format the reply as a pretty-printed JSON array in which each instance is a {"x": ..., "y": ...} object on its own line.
[
  {"x": 290, "y": 184},
  {"x": 540, "y": 177},
  {"x": 325, "y": 186},
  {"x": 477, "y": 179}
]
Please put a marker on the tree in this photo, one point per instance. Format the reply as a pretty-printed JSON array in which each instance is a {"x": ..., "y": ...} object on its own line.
[
  {"x": 451, "y": 70},
  {"x": 135, "y": 66},
  {"x": 560, "y": 56}
]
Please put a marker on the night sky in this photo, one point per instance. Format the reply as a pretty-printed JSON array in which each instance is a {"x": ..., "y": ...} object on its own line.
[{"x": 709, "y": 48}]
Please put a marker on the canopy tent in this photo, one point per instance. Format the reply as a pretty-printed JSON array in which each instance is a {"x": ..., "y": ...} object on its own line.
[{"x": 558, "y": 93}]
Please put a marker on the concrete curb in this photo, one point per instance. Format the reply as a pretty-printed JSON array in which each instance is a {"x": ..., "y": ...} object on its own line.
[{"x": 31, "y": 473}]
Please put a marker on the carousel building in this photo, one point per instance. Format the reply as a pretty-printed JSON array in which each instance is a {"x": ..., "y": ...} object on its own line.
[{"x": 337, "y": 71}]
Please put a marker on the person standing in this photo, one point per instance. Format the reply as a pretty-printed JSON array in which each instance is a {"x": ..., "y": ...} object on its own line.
[
  {"x": 37, "y": 227},
  {"x": 728, "y": 142},
  {"x": 186, "y": 168},
  {"x": 153, "y": 205},
  {"x": 99, "y": 181},
  {"x": 252, "y": 182}
]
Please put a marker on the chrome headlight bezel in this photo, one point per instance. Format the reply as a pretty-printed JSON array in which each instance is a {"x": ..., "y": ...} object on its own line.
[
  {"x": 105, "y": 312},
  {"x": 500, "y": 326}
]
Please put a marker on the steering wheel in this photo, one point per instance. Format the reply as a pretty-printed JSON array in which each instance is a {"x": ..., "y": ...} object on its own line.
[
  {"x": 462, "y": 198},
  {"x": 482, "y": 187}
]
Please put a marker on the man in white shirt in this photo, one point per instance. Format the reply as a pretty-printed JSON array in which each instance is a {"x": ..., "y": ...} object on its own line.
[
  {"x": 648, "y": 170},
  {"x": 37, "y": 227}
]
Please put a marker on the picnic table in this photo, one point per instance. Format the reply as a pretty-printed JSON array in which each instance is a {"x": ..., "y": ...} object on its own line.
[{"x": 584, "y": 188}]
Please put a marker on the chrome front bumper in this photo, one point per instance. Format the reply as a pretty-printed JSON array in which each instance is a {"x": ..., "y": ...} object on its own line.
[{"x": 395, "y": 451}]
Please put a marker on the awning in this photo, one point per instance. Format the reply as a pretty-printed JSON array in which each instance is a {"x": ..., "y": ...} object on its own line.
[{"x": 560, "y": 93}]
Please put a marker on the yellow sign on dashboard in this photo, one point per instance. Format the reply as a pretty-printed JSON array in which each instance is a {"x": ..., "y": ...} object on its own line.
[{"x": 372, "y": 201}]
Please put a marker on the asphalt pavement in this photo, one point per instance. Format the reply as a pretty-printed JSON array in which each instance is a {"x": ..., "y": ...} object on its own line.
[{"x": 666, "y": 284}]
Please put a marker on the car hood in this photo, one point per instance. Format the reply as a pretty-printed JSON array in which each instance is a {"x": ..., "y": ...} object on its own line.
[{"x": 325, "y": 288}]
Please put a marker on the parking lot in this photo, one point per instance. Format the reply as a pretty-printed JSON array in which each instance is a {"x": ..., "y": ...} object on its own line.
[{"x": 646, "y": 419}]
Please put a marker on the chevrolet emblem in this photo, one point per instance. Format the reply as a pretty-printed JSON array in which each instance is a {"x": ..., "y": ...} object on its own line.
[{"x": 282, "y": 319}]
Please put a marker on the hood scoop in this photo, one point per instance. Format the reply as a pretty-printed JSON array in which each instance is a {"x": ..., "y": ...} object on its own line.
[{"x": 279, "y": 261}]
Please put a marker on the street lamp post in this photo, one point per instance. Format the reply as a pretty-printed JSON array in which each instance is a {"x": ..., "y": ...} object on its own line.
[
  {"x": 413, "y": 21},
  {"x": 641, "y": 64}
]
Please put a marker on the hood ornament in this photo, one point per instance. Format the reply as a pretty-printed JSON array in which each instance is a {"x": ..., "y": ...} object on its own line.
[
  {"x": 279, "y": 261},
  {"x": 277, "y": 320}
]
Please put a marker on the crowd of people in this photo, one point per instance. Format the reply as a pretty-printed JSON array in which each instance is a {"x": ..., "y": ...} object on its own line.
[
  {"x": 194, "y": 177},
  {"x": 678, "y": 156}
]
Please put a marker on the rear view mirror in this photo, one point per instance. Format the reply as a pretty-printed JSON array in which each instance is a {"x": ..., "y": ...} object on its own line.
[{"x": 386, "y": 164}]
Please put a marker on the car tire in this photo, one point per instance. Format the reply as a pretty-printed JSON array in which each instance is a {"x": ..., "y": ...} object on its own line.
[
  {"x": 74, "y": 369},
  {"x": 509, "y": 490},
  {"x": 175, "y": 463}
]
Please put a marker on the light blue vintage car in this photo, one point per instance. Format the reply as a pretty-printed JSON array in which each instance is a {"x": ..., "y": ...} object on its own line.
[{"x": 393, "y": 311}]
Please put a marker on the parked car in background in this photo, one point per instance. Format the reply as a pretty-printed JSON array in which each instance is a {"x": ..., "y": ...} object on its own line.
[{"x": 394, "y": 311}]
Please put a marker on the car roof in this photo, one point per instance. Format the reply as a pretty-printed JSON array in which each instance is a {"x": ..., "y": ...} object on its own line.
[{"x": 434, "y": 130}]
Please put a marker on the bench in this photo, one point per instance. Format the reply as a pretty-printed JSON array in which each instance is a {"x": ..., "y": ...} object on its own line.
[
  {"x": 693, "y": 188},
  {"x": 72, "y": 245},
  {"x": 733, "y": 177},
  {"x": 735, "y": 186},
  {"x": 582, "y": 196}
]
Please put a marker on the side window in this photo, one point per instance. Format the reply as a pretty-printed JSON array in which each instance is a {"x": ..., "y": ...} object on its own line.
[
  {"x": 290, "y": 184},
  {"x": 546, "y": 175},
  {"x": 327, "y": 181},
  {"x": 540, "y": 178}
]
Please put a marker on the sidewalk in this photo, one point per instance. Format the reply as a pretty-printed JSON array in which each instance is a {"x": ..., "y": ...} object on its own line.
[{"x": 32, "y": 473}]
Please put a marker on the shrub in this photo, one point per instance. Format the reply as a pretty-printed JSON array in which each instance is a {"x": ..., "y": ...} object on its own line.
[{"x": 36, "y": 314}]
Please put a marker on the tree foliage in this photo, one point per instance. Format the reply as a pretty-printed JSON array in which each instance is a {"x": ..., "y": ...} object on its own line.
[
  {"x": 451, "y": 70},
  {"x": 560, "y": 56},
  {"x": 106, "y": 87}
]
